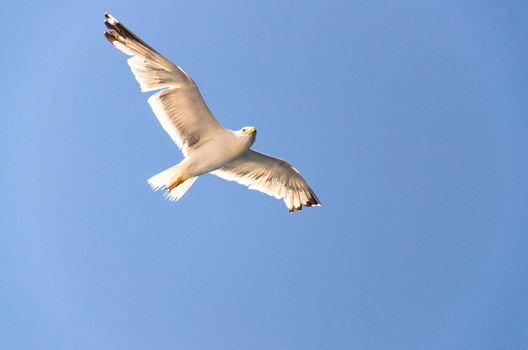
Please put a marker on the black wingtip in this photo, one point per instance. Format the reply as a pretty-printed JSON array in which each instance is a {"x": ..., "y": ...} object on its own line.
[
  {"x": 110, "y": 37},
  {"x": 118, "y": 29},
  {"x": 109, "y": 16},
  {"x": 313, "y": 201}
]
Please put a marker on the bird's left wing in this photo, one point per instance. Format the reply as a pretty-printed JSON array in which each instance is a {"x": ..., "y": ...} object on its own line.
[
  {"x": 272, "y": 176},
  {"x": 179, "y": 107}
]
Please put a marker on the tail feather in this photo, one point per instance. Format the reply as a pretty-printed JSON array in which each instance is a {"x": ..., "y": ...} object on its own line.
[{"x": 163, "y": 179}]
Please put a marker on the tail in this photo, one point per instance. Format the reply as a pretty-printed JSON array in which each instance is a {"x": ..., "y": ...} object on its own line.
[{"x": 163, "y": 179}]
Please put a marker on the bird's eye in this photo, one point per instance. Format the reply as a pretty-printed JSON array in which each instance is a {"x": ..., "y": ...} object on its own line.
[{"x": 244, "y": 130}]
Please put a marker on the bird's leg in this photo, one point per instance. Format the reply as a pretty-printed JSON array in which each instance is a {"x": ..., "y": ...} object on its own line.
[{"x": 179, "y": 180}]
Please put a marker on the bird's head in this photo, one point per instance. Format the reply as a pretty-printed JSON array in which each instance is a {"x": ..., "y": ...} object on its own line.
[{"x": 249, "y": 133}]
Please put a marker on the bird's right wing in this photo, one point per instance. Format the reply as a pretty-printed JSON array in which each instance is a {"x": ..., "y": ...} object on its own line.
[
  {"x": 179, "y": 107},
  {"x": 272, "y": 176}
]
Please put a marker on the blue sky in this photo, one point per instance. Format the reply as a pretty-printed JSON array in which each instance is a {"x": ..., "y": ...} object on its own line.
[{"x": 408, "y": 119}]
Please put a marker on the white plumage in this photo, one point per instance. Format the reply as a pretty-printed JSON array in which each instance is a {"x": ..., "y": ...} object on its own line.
[{"x": 207, "y": 146}]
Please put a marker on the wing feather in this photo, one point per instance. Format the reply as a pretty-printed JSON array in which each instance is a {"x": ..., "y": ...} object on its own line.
[
  {"x": 179, "y": 107},
  {"x": 272, "y": 176}
]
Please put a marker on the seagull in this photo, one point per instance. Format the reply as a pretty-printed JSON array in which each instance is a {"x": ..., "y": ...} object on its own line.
[{"x": 207, "y": 146}]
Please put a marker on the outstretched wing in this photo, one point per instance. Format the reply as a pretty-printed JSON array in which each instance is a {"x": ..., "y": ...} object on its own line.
[
  {"x": 179, "y": 107},
  {"x": 272, "y": 176}
]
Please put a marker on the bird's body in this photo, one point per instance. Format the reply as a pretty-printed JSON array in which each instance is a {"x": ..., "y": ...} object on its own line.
[
  {"x": 231, "y": 146},
  {"x": 207, "y": 146}
]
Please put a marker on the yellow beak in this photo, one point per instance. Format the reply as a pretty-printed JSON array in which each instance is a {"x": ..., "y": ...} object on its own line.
[{"x": 251, "y": 131}]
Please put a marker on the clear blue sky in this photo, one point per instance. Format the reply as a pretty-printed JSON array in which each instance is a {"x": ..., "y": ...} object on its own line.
[{"x": 409, "y": 120}]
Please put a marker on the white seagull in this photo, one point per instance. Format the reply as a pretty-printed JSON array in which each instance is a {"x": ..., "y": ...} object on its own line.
[{"x": 207, "y": 146}]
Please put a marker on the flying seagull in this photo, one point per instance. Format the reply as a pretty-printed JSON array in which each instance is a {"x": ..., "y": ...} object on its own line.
[{"x": 207, "y": 146}]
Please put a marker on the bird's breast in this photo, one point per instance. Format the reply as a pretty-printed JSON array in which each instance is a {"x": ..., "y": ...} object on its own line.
[{"x": 213, "y": 155}]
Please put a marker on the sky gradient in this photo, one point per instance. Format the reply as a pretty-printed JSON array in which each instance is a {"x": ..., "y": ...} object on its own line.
[{"x": 409, "y": 121}]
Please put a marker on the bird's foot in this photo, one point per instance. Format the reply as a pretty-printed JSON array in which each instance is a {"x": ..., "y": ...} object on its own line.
[{"x": 174, "y": 184}]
